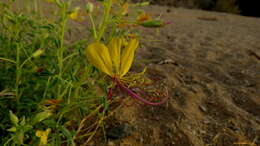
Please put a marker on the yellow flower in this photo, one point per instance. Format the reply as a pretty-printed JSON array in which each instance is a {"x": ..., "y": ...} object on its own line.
[
  {"x": 43, "y": 136},
  {"x": 74, "y": 14},
  {"x": 115, "y": 59}
]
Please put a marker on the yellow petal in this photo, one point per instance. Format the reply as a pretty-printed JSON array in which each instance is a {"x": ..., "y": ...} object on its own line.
[
  {"x": 98, "y": 55},
  {"x": 43, "y": 136},
  {"x": 115, "y": 52},
  {"x": 125, "y": 8},
  {"x": 74, "y": 14},
  {"x": 128, "y": 56}
]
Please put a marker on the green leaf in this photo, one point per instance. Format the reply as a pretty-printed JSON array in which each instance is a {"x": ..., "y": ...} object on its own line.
[
  {"x": 27, "y": 128},
  {"x": 51, "y": 123},
  {"x": 13, "y": 129},
  {"x": 66, "y": 132},
  {"x": 22, "y": 123},
  {"x": 68, "y": 135},
  {"x": 41, "y": 116},
  {"x": 14, "y": 118},
  {"x": 20, "y": 137}
]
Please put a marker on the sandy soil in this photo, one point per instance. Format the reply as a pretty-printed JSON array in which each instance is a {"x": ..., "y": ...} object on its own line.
[{"x": 210, "y": 63}]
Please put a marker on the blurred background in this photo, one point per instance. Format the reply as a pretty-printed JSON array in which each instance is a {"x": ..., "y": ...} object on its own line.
[{"x": 242, "y": 7}]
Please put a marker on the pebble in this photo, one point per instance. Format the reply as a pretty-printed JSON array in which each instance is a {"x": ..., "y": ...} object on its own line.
[
  {"x": 206, "y": 121},
  {"x": 203, "y": 108}
]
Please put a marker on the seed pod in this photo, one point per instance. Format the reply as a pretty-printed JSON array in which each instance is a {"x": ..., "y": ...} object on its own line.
[
  {"x": 37, "y": 53},
  {"x": 152, "y": 23}
]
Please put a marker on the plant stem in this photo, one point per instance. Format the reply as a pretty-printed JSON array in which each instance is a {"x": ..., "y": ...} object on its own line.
[
  {"x": 18, "y": 67},
  {"x": 8, "y": 60},
  {"x": 135, "y": 96},
  {"x": 18, "y": 73},
  {"x": 104, "y": 23},
  {"x": 60, "y": 51},
  {"x": 35, "y": 6},
  {"x": 93, "y": 26}
]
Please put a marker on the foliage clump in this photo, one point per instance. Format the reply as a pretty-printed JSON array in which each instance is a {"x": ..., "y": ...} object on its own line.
[{"x": 50, "y": 84}]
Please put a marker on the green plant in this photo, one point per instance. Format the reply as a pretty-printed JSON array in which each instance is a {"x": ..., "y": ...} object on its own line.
[{"x": 48, "y": 89}]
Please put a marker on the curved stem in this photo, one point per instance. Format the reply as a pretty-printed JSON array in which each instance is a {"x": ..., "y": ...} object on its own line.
[
  {"x": 110, "y": 93},
  {"x": 135, "y": 96},
  {"x": 9, "y": 60},
  {"x": 93, "y": 26}
]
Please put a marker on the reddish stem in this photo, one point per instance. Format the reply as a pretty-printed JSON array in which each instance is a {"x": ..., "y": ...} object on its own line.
[
  {"x": 110, "y": 93},
  {"x": 135, "y": 96}
]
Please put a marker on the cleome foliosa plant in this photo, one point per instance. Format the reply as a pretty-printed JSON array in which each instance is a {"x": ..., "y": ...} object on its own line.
[{"x": 50, "y": 78}]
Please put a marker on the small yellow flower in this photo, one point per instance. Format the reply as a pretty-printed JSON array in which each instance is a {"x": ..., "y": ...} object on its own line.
[
  {"x": 75, "y": 14},
  {"x": 115, "y": 59},
  {"x": 43, "y": 136}
]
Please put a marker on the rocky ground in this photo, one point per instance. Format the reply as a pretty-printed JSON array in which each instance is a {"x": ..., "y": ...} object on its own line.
[{"x": 210, "y": 64}]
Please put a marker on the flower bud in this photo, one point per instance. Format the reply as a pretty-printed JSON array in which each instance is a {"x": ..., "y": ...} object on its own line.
[
  {"x": 89, "y": 7},
  {"x": 37, "y": 53},
  {"x": 74, "y": 14}
]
